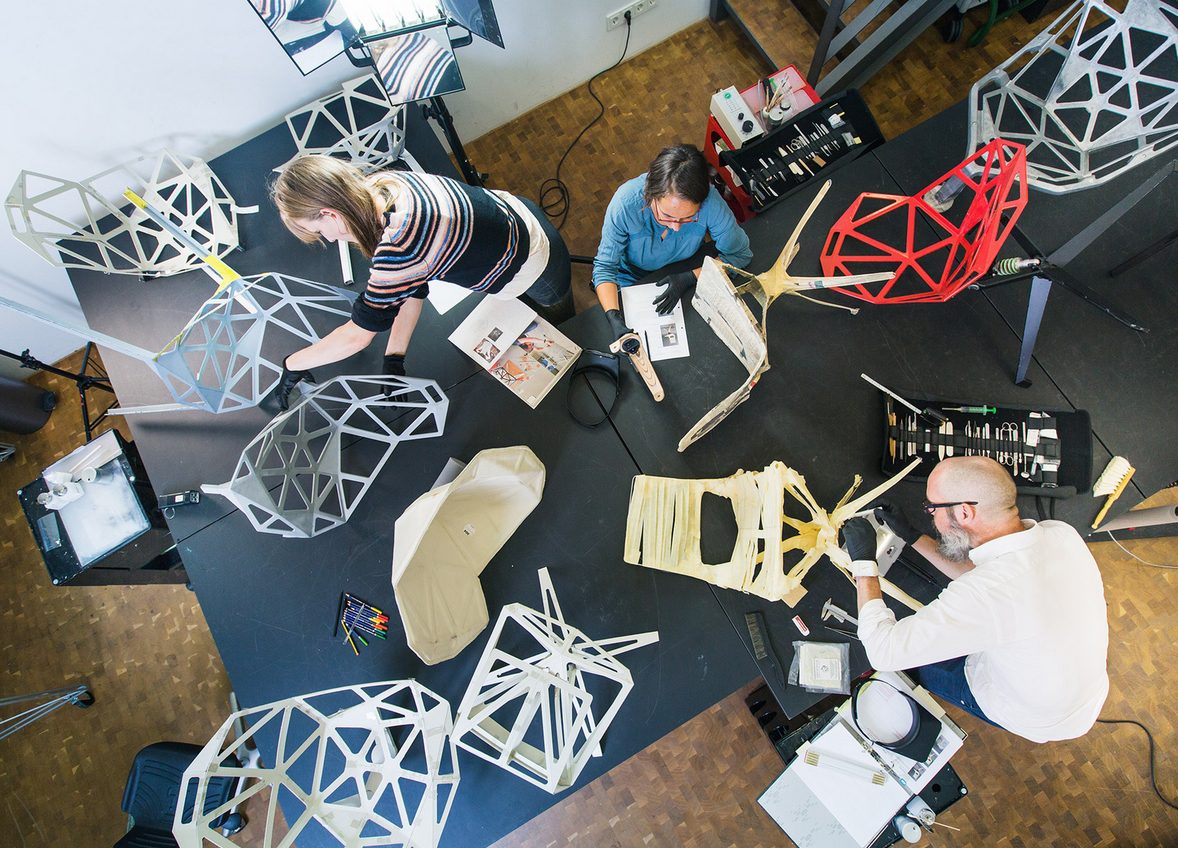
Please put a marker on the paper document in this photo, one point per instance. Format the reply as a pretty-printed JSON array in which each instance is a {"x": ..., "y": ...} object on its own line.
[
  {"x": 445, "y": 296},
  {"x": 516, "y": 347},
  {"x": 663, "y": 336},
  {"x": 833, "y": 806}
]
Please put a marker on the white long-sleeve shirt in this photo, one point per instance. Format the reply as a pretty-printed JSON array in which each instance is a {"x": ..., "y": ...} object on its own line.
[{"x": 1031, "y": 620}]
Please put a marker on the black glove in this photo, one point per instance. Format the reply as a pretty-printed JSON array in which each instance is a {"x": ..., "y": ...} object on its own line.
[
  {"x": 859, "y": 539},
  {"x": 618, "y": 327},
  {"x": 617, "y": 324},
  {"x": 287, "y": 382},
  {"x": 887, "y": 513},
  {"x": 677, "y": 285},
  {"x": 394, "y": 365}
]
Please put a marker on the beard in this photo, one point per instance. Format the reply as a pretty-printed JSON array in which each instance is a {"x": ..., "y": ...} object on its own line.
[{"x": 953, "y": 544}]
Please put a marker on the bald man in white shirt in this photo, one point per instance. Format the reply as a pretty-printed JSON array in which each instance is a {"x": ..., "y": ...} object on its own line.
[{"x": 1020, "y": 635}]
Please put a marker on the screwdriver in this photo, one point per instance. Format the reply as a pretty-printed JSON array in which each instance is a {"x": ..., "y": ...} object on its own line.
[{"x": 980, "y": 410}]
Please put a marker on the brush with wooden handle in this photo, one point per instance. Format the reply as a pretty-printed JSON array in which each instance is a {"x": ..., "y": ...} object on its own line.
[{"x": 1112, "y": 481}]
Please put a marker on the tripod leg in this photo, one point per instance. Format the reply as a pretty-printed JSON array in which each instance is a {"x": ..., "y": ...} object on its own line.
[{"x": 1040, "y": 288}]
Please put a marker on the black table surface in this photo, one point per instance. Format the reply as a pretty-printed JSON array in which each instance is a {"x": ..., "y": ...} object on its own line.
[
  {"x": 812, "y": 410},
  {"x": 1125, "y": 379},
  {"x": 176, "y": 446},
  {"x": 272, "y": 602}
]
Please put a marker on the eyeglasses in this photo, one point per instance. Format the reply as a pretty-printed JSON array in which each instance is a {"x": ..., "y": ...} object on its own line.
[
  {"x": 930, "y": 508},
  {"x": 667, "y": 219}
]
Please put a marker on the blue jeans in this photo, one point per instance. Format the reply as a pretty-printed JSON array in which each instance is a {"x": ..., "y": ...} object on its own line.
[
  {"x": 552, "y": 292},
  {"x": 947, "y": 681}
]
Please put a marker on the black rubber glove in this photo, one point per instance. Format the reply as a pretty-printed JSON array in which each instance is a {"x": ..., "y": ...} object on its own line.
[
  {"x": 394, "y": 365},
  {"x": 858, "y": 539},
  {"x": 287, "y": 382},
  {"x": 677, "y": 285},
  {"x": 618, "y": 326},
  {"x": 887, "y": 513}
]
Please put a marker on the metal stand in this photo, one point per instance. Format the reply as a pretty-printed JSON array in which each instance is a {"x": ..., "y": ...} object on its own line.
[
  {"x": 435, "y": 109},
  {"x": 80, "y": 696},
  {"x": 98, "y": 380},
  {"x": 1045, "y": 270}
]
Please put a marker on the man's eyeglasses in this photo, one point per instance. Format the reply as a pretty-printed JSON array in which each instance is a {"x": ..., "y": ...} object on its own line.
[
  {"x": 668, "y": 219},
  {"x": 930, "y": 508}
]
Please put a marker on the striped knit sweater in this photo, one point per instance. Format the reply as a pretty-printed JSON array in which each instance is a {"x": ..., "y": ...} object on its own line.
[{"x": 440, "y": 229}]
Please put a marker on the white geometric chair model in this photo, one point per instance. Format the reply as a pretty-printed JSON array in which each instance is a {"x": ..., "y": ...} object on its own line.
[
  {"x": 217, "y": 363},
  {"x": 663, "y": 530},
  {"x": 372, "y": 764},
  {"x": 295, "y": 480},
  {"x": 356, "y": 123},
  {"x": 77, "y": 224},
  {"x": 445, "y": 539},
  {"x": 533, "y": 713},
  {"x": 1087, "y": 105},
  {"x": 722, "y": 306}
]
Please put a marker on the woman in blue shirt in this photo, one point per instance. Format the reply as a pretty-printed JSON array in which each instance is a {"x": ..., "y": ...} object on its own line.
[{"x": 658, "y": 218}]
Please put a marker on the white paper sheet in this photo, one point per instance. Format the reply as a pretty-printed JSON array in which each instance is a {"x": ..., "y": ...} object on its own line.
[
  {"x": 862, "y": 808},
  {"x": 825, "y": 808},
  {"x": 491, "y": 328},
  {"x": 445, "y": 296},
  {"x": 663, "y": 336}
]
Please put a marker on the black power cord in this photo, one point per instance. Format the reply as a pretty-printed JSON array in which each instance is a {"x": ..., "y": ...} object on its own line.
[
  {"x": 1152, "y": 773},
  {"x": 554, "y": 194}
]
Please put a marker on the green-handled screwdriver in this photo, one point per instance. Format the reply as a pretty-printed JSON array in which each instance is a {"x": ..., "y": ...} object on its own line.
[{"x": 980, "y": 410}]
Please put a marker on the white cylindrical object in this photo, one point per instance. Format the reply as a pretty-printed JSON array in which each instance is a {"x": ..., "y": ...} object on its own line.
[{"x": 908, "y": 829}]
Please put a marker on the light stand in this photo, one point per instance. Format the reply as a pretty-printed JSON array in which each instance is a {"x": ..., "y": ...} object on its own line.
[{"x": 98, "y": 380}]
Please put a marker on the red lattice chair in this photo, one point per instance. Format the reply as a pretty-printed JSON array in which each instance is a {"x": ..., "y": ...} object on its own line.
[{"x": 942, "y": 252}]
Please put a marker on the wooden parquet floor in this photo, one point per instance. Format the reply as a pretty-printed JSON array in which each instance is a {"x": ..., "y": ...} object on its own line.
[{"x": 147, "y": 652}]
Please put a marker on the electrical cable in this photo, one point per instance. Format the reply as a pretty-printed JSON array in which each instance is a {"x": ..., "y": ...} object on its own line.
[
  {"x": 554, "y": 194},
  {"x": 1139, "y": 559},
  {"x": 1152, "y": 774}
]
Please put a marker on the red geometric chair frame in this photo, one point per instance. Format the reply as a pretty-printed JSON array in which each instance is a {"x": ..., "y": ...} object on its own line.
[{"x": 938, "y": 260}]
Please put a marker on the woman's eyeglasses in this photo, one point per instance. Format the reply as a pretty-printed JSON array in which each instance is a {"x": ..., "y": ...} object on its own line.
[{"x": 668, "y": 219}]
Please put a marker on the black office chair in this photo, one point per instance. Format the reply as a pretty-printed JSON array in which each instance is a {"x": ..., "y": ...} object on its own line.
[{"x": 153, "y": 787}]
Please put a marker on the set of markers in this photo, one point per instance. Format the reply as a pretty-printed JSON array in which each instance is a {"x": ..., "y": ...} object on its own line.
[{"x": 359, "y": 619}]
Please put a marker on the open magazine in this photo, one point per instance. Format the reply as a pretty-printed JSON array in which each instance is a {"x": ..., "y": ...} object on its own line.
[{"x": 517, "y": 347}]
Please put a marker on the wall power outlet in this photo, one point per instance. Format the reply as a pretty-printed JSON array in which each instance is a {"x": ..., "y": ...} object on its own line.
[{"x": 639, "y": 7}]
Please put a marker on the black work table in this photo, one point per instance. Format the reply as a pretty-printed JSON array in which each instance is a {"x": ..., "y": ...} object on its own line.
[
  {"x": 812, "y": 411},
  {"x": 270, "y": 601},
  {"x": 275, "y": 626},
  {"x": 186, "y": 448}
]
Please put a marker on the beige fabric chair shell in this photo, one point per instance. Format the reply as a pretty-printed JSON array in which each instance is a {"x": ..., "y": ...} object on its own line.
[{"x": 445, "y": 539}]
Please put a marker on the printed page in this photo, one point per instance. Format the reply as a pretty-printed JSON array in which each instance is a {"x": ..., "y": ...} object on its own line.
[
  {"x": 535, "y": 362},
  {"x": 490, "y": 329},
  {"x": 663, "y": 336}
]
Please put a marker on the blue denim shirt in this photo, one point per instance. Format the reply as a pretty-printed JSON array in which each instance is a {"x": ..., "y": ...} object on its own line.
[{"x": 633, "y": 243}]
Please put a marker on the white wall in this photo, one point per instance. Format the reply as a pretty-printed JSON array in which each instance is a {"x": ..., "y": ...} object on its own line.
[
  {"x": 552, "y": 46},
  {"x": 88, "y": 85}
]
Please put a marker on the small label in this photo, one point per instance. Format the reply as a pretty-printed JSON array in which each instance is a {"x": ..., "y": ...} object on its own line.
[{"x": 468, "y": 530}]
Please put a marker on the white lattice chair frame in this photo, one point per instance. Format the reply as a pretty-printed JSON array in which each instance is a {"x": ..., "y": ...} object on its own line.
[
  {"x": 76, "y": 224},
  {"x": 372, "y": 764},
  {"x": 534, "y": 715},
  {"x": 1088, "y": 102},
  {"x": 295, "y": 479}
]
